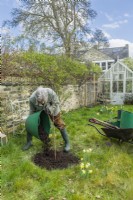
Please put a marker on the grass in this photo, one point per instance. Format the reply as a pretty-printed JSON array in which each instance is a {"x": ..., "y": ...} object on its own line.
[{"x": 105, "y": 172}]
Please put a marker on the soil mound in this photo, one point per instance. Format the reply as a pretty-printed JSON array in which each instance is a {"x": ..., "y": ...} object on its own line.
[{"x": 55, "y": 160}]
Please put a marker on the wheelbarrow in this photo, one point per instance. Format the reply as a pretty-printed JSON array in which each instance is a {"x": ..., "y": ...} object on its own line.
[{"x": 114, "y": 130}]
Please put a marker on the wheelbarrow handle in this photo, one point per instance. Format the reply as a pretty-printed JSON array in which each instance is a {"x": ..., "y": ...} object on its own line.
[
  {"x": 105, "y": 124},
  {"x": 97, "y": 129}
]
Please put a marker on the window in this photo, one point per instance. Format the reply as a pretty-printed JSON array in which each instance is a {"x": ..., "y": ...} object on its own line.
[
  {"x": 109, "y": 64},
  {"x": 103, "y": 65}
]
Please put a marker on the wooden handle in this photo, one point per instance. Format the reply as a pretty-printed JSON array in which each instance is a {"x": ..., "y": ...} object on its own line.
[{"x": 105, "y": 124}]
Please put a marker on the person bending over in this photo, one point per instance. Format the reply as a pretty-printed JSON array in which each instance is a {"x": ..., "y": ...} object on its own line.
[{"x": 46, "y": 99}]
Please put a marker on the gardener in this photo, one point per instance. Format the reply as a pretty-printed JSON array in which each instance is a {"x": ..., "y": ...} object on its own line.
[{"x": 46, "y": 99}]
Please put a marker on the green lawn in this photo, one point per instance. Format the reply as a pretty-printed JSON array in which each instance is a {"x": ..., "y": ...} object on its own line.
[{"x": 105, "y": 171}]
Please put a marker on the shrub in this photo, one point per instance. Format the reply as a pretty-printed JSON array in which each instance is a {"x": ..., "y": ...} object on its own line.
[{"x": 128, "y": 99}]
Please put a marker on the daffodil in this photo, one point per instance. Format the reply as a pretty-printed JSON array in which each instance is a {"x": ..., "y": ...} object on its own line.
[
  {"x": 89, "y": 150},
  {"x": 98, "y": 196},
  {"x": 87, "y": 165},
  {"x": 90, "y": 171},
  {"x": 83, "y": 171},
  {"x": 82, "y": 165}
]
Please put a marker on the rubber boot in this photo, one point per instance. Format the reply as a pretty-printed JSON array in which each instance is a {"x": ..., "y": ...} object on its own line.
[
  {"x": 66, "y": 139},
  {"x": 29, "y": 142}
]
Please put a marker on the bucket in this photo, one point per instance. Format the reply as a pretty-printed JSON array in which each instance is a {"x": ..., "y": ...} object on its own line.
[
  {"x": 35, "y": 120},
  {"x": 126, "y": 120}
]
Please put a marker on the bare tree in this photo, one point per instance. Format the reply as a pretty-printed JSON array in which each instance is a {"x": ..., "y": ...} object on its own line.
[{"x": 61, "y": 21}]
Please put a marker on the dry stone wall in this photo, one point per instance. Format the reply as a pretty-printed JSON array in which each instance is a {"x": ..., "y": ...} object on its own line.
[{"x": 13, "y": 113}]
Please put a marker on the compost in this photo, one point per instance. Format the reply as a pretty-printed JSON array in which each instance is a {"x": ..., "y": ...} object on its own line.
[{"x": 51, "y": 159}]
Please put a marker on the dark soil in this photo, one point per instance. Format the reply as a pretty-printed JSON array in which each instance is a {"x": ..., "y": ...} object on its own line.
[{"x": 50, "y": 159}]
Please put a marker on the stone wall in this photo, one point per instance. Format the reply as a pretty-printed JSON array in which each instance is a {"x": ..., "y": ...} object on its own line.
[
  {"x": 15, "y": 101},
  {"x": 12, "y": 112}
]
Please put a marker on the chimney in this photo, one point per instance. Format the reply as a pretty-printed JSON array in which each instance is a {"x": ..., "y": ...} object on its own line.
[{"x": 127, "y": 48}]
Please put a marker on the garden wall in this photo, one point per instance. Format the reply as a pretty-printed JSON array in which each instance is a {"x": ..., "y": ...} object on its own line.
[{"x": 12, "y": 113}]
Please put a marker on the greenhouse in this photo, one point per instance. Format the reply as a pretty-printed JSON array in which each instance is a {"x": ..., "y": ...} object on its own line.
[{"x": 117, "y": 83}]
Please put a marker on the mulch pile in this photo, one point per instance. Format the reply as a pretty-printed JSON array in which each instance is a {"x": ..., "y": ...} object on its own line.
[{"x": 50, "y": 159}]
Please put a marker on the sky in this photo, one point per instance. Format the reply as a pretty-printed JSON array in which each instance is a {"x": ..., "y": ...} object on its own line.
[{"x": 114, "y": 18}]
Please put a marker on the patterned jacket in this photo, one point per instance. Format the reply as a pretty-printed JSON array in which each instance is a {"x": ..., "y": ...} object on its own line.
[{"x": 52, "y": 106}]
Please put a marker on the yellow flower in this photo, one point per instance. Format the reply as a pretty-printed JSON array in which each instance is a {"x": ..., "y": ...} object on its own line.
[
  {"x": 98, "y": 196},
  {"x": 83, "y": 171},
  {"x": 50, "y": 135},
  {"x": 82, "y": 165},
  {"x": 84, "y": 150},
  {"x": 90, "y": 171},
  {"x": 81, "y": 158},
  {"x": 89, "y": 150},
  {"x": 87, "y": 165}
]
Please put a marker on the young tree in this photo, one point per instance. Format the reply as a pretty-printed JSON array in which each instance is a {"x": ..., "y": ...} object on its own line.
[{"x": 61, "y": 21}]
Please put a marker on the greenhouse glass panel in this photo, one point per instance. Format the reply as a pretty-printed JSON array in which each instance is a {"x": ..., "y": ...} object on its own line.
[
  {"x": 121, "y": 76},
  {"x": 106, "y": 87},
  {"x": 120, "y": 86},
  {"x": 115, "y": 86},
  {"x": 121, "y": 68},
  {"x": 115, "y": 68},
  {"x": 129, "y": 86},
  {"x": 115, "y": 77},
  {"x": 129, "y": 74}
]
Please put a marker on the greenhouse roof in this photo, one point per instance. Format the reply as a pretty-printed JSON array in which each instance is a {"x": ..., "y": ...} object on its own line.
[{"x": 118, "y": 67}]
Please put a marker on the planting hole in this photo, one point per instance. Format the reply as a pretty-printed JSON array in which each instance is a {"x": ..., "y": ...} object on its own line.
[{"x": 47, "y": 159}]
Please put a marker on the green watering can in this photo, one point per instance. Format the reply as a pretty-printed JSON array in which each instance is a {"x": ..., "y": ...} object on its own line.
[
  {"x": 124, "y": 119},
  {"x": 35, "y": 120}
]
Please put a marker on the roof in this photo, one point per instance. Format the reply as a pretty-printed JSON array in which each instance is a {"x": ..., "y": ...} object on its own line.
[
  {"x": 111, "y": 70},
  {"x": 92, "y": 55},
  {"x": 116, "y": 52}
]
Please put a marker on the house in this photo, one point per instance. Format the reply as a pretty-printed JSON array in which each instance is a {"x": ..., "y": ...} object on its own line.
[
  {"x": 116, "y": 83},
  {"x": 117, "y": 79},
  {"x": 116, "y": 52},
  {"x": 103, "y": 57}
]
